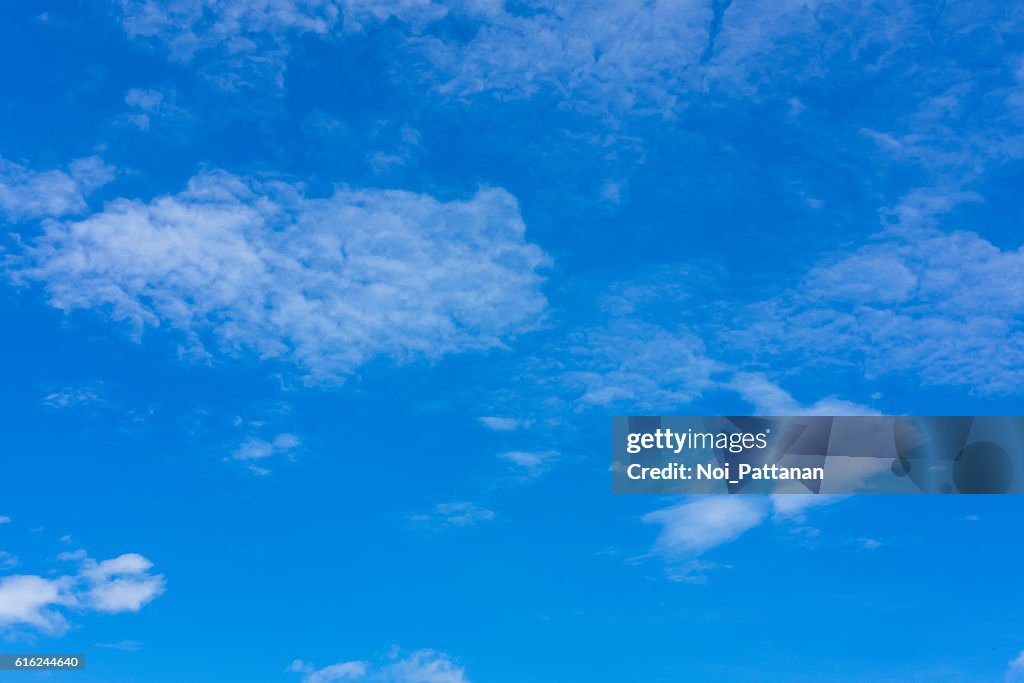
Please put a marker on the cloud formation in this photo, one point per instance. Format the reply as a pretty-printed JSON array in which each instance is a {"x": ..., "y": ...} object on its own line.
[
  {"x": 458, "y": 513},
  {"x": 26, "y": 193},
  {"x": 121, "y": 584},
  {"x": 234, "y": 264},
  {"x": 700, "y": 524},
  {"x": 934, "y": 304},
  {"x": 244, "y": 43}
]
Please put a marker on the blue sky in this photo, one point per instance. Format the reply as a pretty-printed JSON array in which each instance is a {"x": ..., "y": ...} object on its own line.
[{"x": 316, "y": 313}]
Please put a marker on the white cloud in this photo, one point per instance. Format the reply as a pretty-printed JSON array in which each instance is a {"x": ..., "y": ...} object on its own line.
[
  {"x": 769, "y": 398},
  {"x": 941, "y": 309},
  {"x": 121, "y": 584},
  {"x": 26, "y": 193},
  {"x": 457, "y": 513},
  {"x": 791, "y": 506},
  {"x": 346, "y": 671},
  {"x": 422, "y": 666},
  {"x": 255, "y": 448},
  {"x": 244, "y": 43},
  {"x": 501, "y": 424},
  {"x": 641, "y": 364},
  {"x": 700, "y": 524},
  {"x": 123, "y": 645},
  {"x": 426, "y": 666},
  {"x": 1015, "y": 672},
  {"x": 145, "y": 100},
  {"x": 7, "y": 560},
  {"x": 4, "y": 519},
  {"x": 327, "y": 284},
  {"x": 147, "y": 106},
  {"x": 691, "y": 571},
  {"x": 27, "y": 600},
  {"x": 532, "y": 463},
  {"x": 73, "y": 397}
]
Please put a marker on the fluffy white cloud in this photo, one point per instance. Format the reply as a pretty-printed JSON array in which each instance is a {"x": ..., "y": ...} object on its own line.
[
  {"x": 121, "y": 584},
  {"x": 28, "y": 193},
  {"x": 326, "y": 284},
  {"x": 27, "y": 600}
]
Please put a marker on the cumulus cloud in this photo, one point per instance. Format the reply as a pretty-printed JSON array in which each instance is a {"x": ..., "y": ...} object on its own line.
[
  {"x": 422, "y": 666},
  {"x": 328, "y": 284},
  {"x": 32, "y": 601},
  {"x": 122, "y": 584},
  {"x": 28, "y": 193}
]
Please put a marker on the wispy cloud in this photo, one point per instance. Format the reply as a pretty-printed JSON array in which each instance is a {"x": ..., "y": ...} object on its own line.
[
  {"x": 242, "y": 44},
  {"x": 502, "y": 424},
  {"x": 422, "y": 666},
  {"x": 453, "y": 514},
  {"x": 255, "y": 450},
  {"x": 1015, "y": 671},
  {"x": 75, "y": 397},
  {"x": 700, "y": 524},
  {"x": 530, "y": 463},
  {"x": 123, "y": 645}
]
